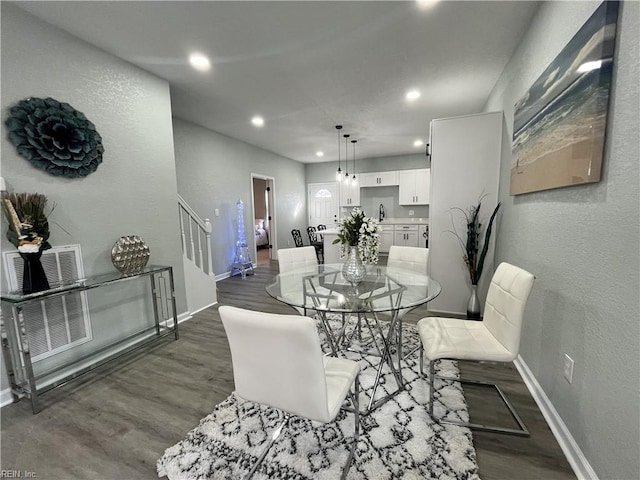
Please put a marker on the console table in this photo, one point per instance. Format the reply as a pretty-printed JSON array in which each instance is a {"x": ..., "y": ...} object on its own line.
[{"x": 14, "y": 325}]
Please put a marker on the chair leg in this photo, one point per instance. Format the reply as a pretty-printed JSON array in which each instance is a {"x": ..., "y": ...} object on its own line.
[
  {"x": 521, "y": 431},
  {"x": 265, "y": 450},
  {"x": 432, "y": 376},
  {"x": 356, "y": 434}
]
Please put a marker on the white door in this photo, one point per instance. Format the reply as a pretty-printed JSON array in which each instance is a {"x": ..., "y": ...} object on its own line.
[{"x": 323, "y": 204}]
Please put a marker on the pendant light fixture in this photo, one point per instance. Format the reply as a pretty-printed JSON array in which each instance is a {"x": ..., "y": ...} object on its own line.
[
  {"x": 339, "y": 172},
  {"x": 346, "y": 158},
  {"x": 354, "y": 180}
]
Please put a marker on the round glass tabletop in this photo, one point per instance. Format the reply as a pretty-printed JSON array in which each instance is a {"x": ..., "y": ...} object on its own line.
[{"x": 323, "y": 288}]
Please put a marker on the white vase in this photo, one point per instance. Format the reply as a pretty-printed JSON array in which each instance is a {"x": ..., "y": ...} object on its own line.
[
  {"x": 353, "y": 269},
  {"x": 473, "y": 306}
]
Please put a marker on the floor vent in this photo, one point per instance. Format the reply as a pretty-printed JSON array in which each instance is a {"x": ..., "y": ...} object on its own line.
[{"x": 59, "y": 323}]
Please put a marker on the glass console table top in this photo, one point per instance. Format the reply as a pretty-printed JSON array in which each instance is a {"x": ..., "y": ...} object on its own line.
[
  {"x": 87, "y": 283},
  {"x": 323, "y": 287}
]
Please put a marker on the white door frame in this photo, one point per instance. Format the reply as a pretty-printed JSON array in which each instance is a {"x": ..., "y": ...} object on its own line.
[{"x": 273, "y": 235}]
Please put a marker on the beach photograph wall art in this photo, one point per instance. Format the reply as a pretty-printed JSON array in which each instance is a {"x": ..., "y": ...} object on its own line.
[{"x": 560, "y": 122}]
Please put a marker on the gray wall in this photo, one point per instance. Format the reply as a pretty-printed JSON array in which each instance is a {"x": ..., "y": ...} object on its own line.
[
  {"x": 582, "y": 244},
  {"x": 134, "y": 189},
  {"x": 214, "y": 171},
  {"x": 372, "y": 197}
]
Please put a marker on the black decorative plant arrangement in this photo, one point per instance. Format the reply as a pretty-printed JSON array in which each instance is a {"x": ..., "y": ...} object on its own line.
[
  {"x": 29, "y": 232},
  {"x": 473, "y": 255},
  {"x": 55, "y": 137}
]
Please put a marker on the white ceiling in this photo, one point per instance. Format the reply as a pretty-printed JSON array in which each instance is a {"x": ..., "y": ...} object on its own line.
[{"x": 307, "y": 66}]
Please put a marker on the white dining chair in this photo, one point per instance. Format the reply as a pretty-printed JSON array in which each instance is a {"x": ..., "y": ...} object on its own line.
[
  {"x": 494, "y": 339},
  {"x": 415, "y": 259},
  {"x": 290, "y": 259},
  {"x": 277, "y": 361},
  {"x": 300, "y": 258}
]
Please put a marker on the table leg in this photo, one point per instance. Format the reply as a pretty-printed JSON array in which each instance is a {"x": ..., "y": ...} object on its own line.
[
  {"x": 172, "y": 294},
  {"x": 154, "y": 297}
]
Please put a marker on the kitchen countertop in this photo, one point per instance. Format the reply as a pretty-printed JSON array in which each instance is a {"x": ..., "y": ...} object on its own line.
[
  {"x": 405, "y": 221},
  {"x": 387, "y": 221}
]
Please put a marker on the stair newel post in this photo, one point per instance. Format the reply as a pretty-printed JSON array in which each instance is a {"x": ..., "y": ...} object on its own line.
[
  {"x": 208, "y": 228},
  {"x": 201, "y": 265}
]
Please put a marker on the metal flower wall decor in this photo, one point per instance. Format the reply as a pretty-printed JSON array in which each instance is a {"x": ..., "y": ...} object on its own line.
[{"x": 55, "y": 137}]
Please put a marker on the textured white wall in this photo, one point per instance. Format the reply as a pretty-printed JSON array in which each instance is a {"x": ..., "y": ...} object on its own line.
[
  {"x": 214, "y": 171},
  {"x": 582, "y": 243},
  {"x": 134, "y": 189}
]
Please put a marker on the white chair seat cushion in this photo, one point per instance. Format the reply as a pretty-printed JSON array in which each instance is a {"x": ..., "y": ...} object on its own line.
[
  {"x": 460, "y": 339},
  {"x": 340, "y": 374}
]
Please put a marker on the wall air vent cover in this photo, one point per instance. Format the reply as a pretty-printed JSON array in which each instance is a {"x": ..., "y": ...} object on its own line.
[{"x": 58, "y": 323}]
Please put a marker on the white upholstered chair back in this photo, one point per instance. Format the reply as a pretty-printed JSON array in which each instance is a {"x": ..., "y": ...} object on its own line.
[
  {"x": 290, "y": 259},
  {"x": 411, "y": 258},
  {"x": 277, "y": 361},
  {"x": 504, "y": 307}
]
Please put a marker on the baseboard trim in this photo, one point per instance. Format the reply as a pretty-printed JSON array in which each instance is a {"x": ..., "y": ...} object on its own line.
[
  {"x": 569, "y": 446},
  {"x": 6, "y": 397},
  {"x": 199, "y": 310},
  {"x": 184, "y": 316},
  {"x": 222, "y": 276}
]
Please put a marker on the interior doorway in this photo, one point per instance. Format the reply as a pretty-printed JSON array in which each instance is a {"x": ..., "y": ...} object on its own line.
[
  {"x": 264, "y": 221},
  {"x": 323, "y": 204}
]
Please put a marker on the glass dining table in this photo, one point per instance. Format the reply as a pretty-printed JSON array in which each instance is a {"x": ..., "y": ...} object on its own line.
[{"x": 344, "y": 310}]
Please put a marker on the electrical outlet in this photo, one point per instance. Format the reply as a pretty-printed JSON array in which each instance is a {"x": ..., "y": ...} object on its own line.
[
  {"x": 411, "y": 212},
  {"x": 288, "y": 243},
  {"x": 217, "y": 212},
  {"x": 567, "y": 371}
]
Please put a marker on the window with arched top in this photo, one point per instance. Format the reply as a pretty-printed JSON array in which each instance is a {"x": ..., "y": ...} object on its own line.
[{"x": 323, "y": 193}]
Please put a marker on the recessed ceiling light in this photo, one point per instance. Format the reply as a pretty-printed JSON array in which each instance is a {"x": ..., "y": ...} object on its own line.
[
  {"x": 412, "y": 95},
  {"x": 319, "y": 154},
  {"x": 258, "y": 121},
  {"x": 200, "y": 62},
  {"x": 425, "y": 4},
  {"x": 418, "y": 143}
]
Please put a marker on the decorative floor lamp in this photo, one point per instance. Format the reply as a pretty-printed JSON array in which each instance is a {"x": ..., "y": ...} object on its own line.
[{"x": 242, "y": 261}]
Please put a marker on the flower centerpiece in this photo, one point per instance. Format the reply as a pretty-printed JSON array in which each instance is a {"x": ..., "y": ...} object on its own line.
[
  {"x": 359, "y": 237},
  {"x": 472, "y": 254},
  {"x": 28, "y": 231}
]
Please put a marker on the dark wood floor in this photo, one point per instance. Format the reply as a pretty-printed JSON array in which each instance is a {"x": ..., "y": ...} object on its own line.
[{"x": 116, "y": 422}]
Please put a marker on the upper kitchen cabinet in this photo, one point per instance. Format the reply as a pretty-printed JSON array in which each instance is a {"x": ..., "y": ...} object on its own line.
[
  {"x": 350, "y": 193},
  {"x": 379, "y": 179},
  {"x": 414, "y": 186}
]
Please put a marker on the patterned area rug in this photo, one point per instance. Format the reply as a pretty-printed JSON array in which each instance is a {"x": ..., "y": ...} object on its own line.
[{"x": 397, "y": 440}]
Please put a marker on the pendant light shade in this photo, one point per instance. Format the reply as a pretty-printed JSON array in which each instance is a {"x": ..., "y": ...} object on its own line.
[
  {"x": 339, "y": 171},
  {"x": 354, "y": 179}
]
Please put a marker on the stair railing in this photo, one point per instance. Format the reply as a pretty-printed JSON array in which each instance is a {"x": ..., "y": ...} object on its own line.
[{"x": 192, "y": 237}]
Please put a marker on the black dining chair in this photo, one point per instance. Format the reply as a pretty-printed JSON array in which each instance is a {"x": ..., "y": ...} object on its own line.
[
  {"x": 321, "y": 227},
  {"x": 317, "y": 243},
  {"x": 297, "y": 237}
]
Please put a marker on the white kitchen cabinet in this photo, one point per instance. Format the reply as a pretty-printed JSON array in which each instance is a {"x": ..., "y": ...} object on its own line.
[
  {"x": 350, "y": 193},
  {"x": 407, "y": 235},
  {"x": 379, "y": 179},
  {"x": 386, "y": 237},
  {"x": 414, "y": 186}
]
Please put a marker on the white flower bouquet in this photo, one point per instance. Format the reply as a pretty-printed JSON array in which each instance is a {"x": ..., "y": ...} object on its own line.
[{"x": 358, "y": 230}]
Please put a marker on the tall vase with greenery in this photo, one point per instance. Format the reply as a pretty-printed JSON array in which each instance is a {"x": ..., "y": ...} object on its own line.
[
  {"x": 28, "y": 231},
  {"x": 473, "y": 253},
  {"x": 360, "y": 239}
]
